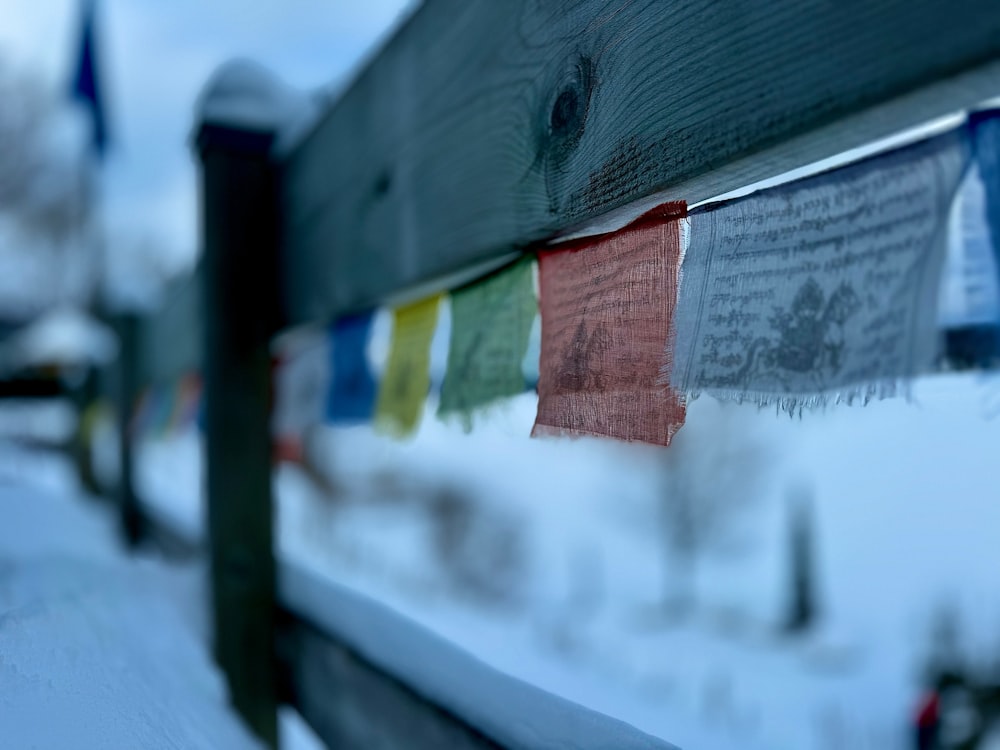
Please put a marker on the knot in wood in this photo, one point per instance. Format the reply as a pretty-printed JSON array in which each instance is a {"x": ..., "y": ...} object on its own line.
[
  {"x": 568, "y": 113},
  {"x": 382, "y": 183}
]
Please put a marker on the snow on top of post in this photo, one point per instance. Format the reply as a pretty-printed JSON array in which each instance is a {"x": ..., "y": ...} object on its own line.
[{"x": 244, "y": 95}]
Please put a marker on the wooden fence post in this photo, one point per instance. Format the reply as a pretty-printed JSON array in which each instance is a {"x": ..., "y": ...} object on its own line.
[
  {"x": 129, "y": 513},
  {"x": 240, "y": 283},
  {"x": 81, "y": 443}
]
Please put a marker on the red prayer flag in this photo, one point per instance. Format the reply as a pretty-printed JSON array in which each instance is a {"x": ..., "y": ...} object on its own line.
[{"x": 607, "y": 305}]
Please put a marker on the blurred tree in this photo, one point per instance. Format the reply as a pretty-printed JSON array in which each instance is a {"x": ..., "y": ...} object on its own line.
[
  {"x": 40, "y": 185},
  {"x": 945, "y": 655},
  {"x": 44, "y": 194},
  {"x": 801, "y": 582},
  {"x": 712, "y": 472}
]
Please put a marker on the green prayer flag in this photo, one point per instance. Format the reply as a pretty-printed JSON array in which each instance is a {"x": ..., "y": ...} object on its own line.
[{"x": 490, "y": 325}]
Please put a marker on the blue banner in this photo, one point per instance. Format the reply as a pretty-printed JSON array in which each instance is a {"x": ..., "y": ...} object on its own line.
[{"x": 86, "y": 84}]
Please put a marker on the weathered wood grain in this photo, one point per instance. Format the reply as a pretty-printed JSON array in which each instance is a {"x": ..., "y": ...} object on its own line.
[
  {"x": 349, "y": 704},
  {"x": 365, "y": 676},
  {"x": 482, "y": 126}
]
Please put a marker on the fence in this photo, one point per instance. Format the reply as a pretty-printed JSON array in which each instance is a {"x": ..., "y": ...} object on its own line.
[{"x": 477, "y": 130}]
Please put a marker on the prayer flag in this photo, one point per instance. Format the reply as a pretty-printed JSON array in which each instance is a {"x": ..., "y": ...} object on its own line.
[
  {"x": 972, "y": 305},
  {"x": 986, "y": 143},
  {"x": 351, "y": 398},
  {"x": 142, "y": 414},
  {"x": 823, "y": 288},
  {"x": 607, "y": 306},
  {"x": 406, "y": 379},
  {"x": 490, "y": 325},
  {"x": 187, "y": 402}
]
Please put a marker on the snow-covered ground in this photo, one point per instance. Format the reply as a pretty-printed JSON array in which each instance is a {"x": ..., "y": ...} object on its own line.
[
  {"x": 545, "y": 558},
  {"x": 97, "y": 650}
]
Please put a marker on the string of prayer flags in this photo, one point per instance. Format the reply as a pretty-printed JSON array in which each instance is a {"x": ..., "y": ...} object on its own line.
[
  {"x": 154, "y": 411},
  {"x": 165, "y": 398},
  {"x": 823, "y": 288},
  {"x": 299, "y": 380},
  {"x": 142, "y": 415},
  {"x": 167, "y": 407},
  {"x": 406, "y": 380},
  {"x": 490, "y": 326},
  {"x": 351, "y": 396},
  {"x": 607, "y": 306},
  {"x": 187, "y": 402}
]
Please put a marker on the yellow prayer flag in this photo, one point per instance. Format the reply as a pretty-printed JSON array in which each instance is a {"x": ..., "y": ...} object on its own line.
[{"x": 407, "y": 380}]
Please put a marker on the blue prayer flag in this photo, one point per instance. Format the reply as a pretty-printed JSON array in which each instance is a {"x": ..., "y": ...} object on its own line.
[
  {"x": 986, "y": 145},
  {"x": 351, "y": 398},
  {"x": 978, "y": 345},
  {"x": 86, "y": 86}
]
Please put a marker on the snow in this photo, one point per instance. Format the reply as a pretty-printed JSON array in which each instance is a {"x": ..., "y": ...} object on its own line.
[
  {"x": 509, "y": 711},
  {"x": 30, "y": 419},
  {"x": 97, "y": 650},
  {"x": 243, "y": 94},
  {"x": 64, "y": 336},
  {"x": 906, "y": 509}
]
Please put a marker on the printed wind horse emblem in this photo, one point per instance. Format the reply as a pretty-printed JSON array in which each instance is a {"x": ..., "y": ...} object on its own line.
[
  {"x": 578, "y": 374},
  {"x": 808, "y": 340}
]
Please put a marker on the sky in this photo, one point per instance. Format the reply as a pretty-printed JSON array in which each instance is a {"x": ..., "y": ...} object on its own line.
[{"x": 155, "y": 58}]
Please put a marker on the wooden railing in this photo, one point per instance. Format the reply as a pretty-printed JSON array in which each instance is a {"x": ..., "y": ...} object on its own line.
[
  {"x": 363, "y": 676},
  {"x": 479, "y": 129}
]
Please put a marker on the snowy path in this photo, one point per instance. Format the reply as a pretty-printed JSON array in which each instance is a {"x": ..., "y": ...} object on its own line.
[{"x": 98, "y": 650}]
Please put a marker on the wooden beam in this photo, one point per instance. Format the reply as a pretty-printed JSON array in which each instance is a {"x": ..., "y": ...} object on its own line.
[
  {"x": 351, "y": 705},
  {"x": 364, "y": 676},
  {"x": 239, "y": 301},
  {"x": 483, "y": 126}
]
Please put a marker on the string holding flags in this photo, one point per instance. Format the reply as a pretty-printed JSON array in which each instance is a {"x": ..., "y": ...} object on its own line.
[
  {"x": 824, "y": 288},
  {"x": 490, "y": 326},
  {"x": 351, "y": 397},
  {"x": 406, "y": 380},
  {"x": 607, "y": 306}
]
